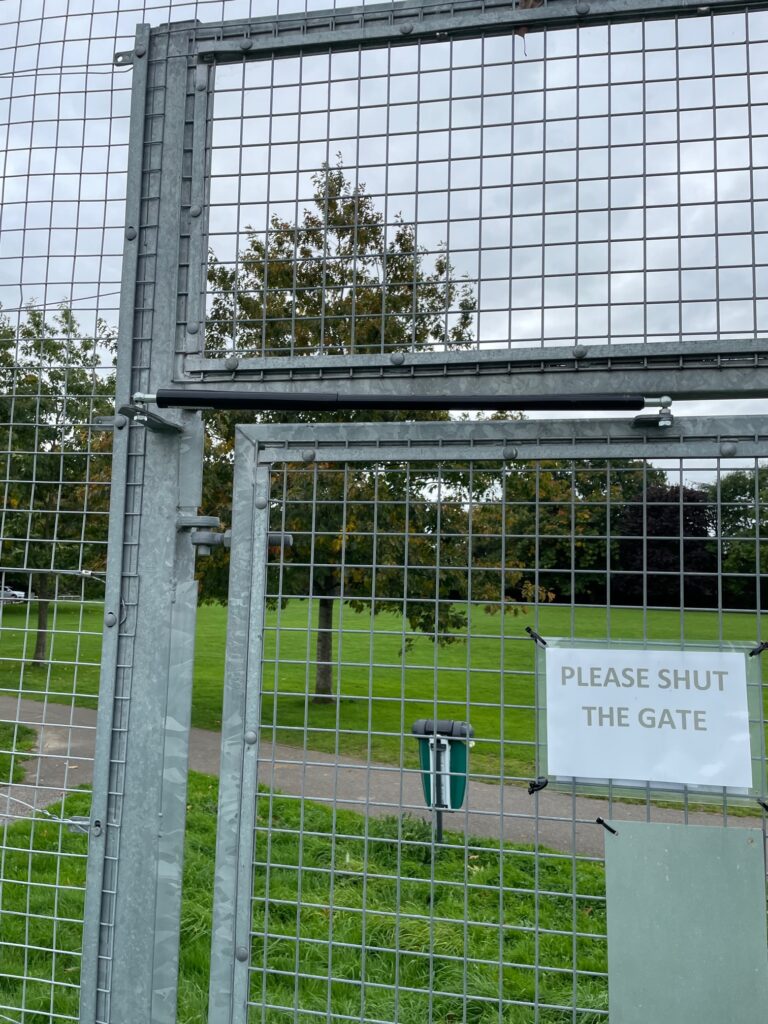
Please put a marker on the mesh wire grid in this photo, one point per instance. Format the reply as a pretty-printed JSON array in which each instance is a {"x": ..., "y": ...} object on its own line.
[
  {"x": 53, "y": 528},
  {"x": 62, "y": 119},
  {"x": 404, "y": 594},
  {"x": 602, "y": 184},
  {"x": 589, "y": 109}
]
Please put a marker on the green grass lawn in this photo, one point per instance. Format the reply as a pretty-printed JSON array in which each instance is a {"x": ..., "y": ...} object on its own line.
[
  {"x": 384, "y": 687},
  {"x": 14, "y": 740},
  {"x": 466, "y": 923}
]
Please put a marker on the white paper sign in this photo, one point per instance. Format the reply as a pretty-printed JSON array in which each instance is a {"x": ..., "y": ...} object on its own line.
[{"x": 648, "y": 716}]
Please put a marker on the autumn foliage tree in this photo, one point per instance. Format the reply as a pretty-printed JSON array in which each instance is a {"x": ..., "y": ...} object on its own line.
[{"x": 341, "y": 281}]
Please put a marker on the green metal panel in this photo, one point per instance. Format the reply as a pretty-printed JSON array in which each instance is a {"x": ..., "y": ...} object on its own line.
[
  {"x": 686, "y": 924},
  {"x": 426, "y": 771},
  {"x": 459, "y": 766}
]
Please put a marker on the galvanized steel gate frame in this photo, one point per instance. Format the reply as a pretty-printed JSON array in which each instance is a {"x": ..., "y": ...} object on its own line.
[
  {"x": 130, "y": 961},
  {"x": 260, "y": 450}
]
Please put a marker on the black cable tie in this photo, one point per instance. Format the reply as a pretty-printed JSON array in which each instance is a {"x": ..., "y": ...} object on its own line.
[
  {"x": 606, "y": 826},
  {"x": 759, "y": 649},
  {"x": 536, "y": 784},
  {"x": 763, "y": 803},
  {"x": 536, "y": 637}
]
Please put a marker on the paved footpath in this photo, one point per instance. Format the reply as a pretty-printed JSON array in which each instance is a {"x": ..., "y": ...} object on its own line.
[{"x": 64, "y": 762}]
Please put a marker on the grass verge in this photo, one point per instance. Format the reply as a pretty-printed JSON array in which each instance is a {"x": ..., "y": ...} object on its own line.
[
  {"x": 15, "y": 740},
  {"x": 348, "y": 909},
  {"x": 384, "y": 685}
]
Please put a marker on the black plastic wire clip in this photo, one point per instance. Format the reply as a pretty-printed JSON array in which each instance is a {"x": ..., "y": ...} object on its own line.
[
  {"x": 606, "y": 826},
  {"x": 537, "y": 639},
  {"x": 763, "y": 803},
  {"x": 536, "y": 784},
  {"x": 759, "y": 649}
]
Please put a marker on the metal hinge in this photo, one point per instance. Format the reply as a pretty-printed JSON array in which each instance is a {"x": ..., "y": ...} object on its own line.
[
  {"x": 206, "y": 535},
  {"x": 150, "y": 420},
  {"x": 203, "y": 532}
]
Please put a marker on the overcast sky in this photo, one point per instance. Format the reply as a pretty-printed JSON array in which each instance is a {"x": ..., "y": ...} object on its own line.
[{"x": 591, "y": 184}]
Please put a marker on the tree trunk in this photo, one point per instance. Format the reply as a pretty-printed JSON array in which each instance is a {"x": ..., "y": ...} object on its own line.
[
  {"x": 41, "y": 643},
  {"x": 324, "y": 673}
]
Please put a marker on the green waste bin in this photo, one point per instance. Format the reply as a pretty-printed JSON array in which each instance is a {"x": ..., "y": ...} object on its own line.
[{"x": 444, "y": 757}]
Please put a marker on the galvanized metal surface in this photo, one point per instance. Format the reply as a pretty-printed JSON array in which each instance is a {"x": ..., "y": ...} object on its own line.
[
  {"x": 239, "y": 745},
  {"x": 672, "y": 893},
  {"x": 347, "y": 476},
  {"x": 400, "y": 23},
  {"x": 145, "y": 837}
]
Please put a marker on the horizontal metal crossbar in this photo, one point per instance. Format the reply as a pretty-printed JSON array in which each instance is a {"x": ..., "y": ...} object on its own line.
[
  {"x": 390, "y": 24},
  {"x": 706, "y": 369},
  {"x": 692, "y": 437}
]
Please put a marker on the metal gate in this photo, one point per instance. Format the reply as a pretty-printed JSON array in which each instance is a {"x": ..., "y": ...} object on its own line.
[
  {"x": 447, "y": 551},
  {"x": 602, "y": 207}
]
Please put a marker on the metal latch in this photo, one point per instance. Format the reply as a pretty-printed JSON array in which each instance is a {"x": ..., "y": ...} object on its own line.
[
  {"x": 117, "y": 422},
  {"x": 81, "y": 824}
]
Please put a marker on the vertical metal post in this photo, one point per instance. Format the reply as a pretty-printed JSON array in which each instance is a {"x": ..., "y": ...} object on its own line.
[
  {"x": 130, "y": 967},
  {"x": 230, "y": 949},
  {"x": 101, "y": 874}
]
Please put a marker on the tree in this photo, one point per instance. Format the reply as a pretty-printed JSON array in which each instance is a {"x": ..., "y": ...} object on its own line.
[
  {"x": 337, "y": 283},
  {"x": 665, "y": 548},
  {"x": 53, "y": 383},
  {"x": 741, "y": 497},
  {"x": 553, "y": 520}
]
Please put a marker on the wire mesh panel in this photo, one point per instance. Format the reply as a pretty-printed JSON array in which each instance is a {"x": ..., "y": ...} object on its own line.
[
  {"x": 54, "y": 480},
  {"x": 63, "y": 114},
  {"x": 390, "y": 576},
  {"x": 600, "y": 184},
  {"x": 467, "y": 194}
]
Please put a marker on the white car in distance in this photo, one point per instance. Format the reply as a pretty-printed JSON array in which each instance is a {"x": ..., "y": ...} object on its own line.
[{"x": 10, "y": 596}]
